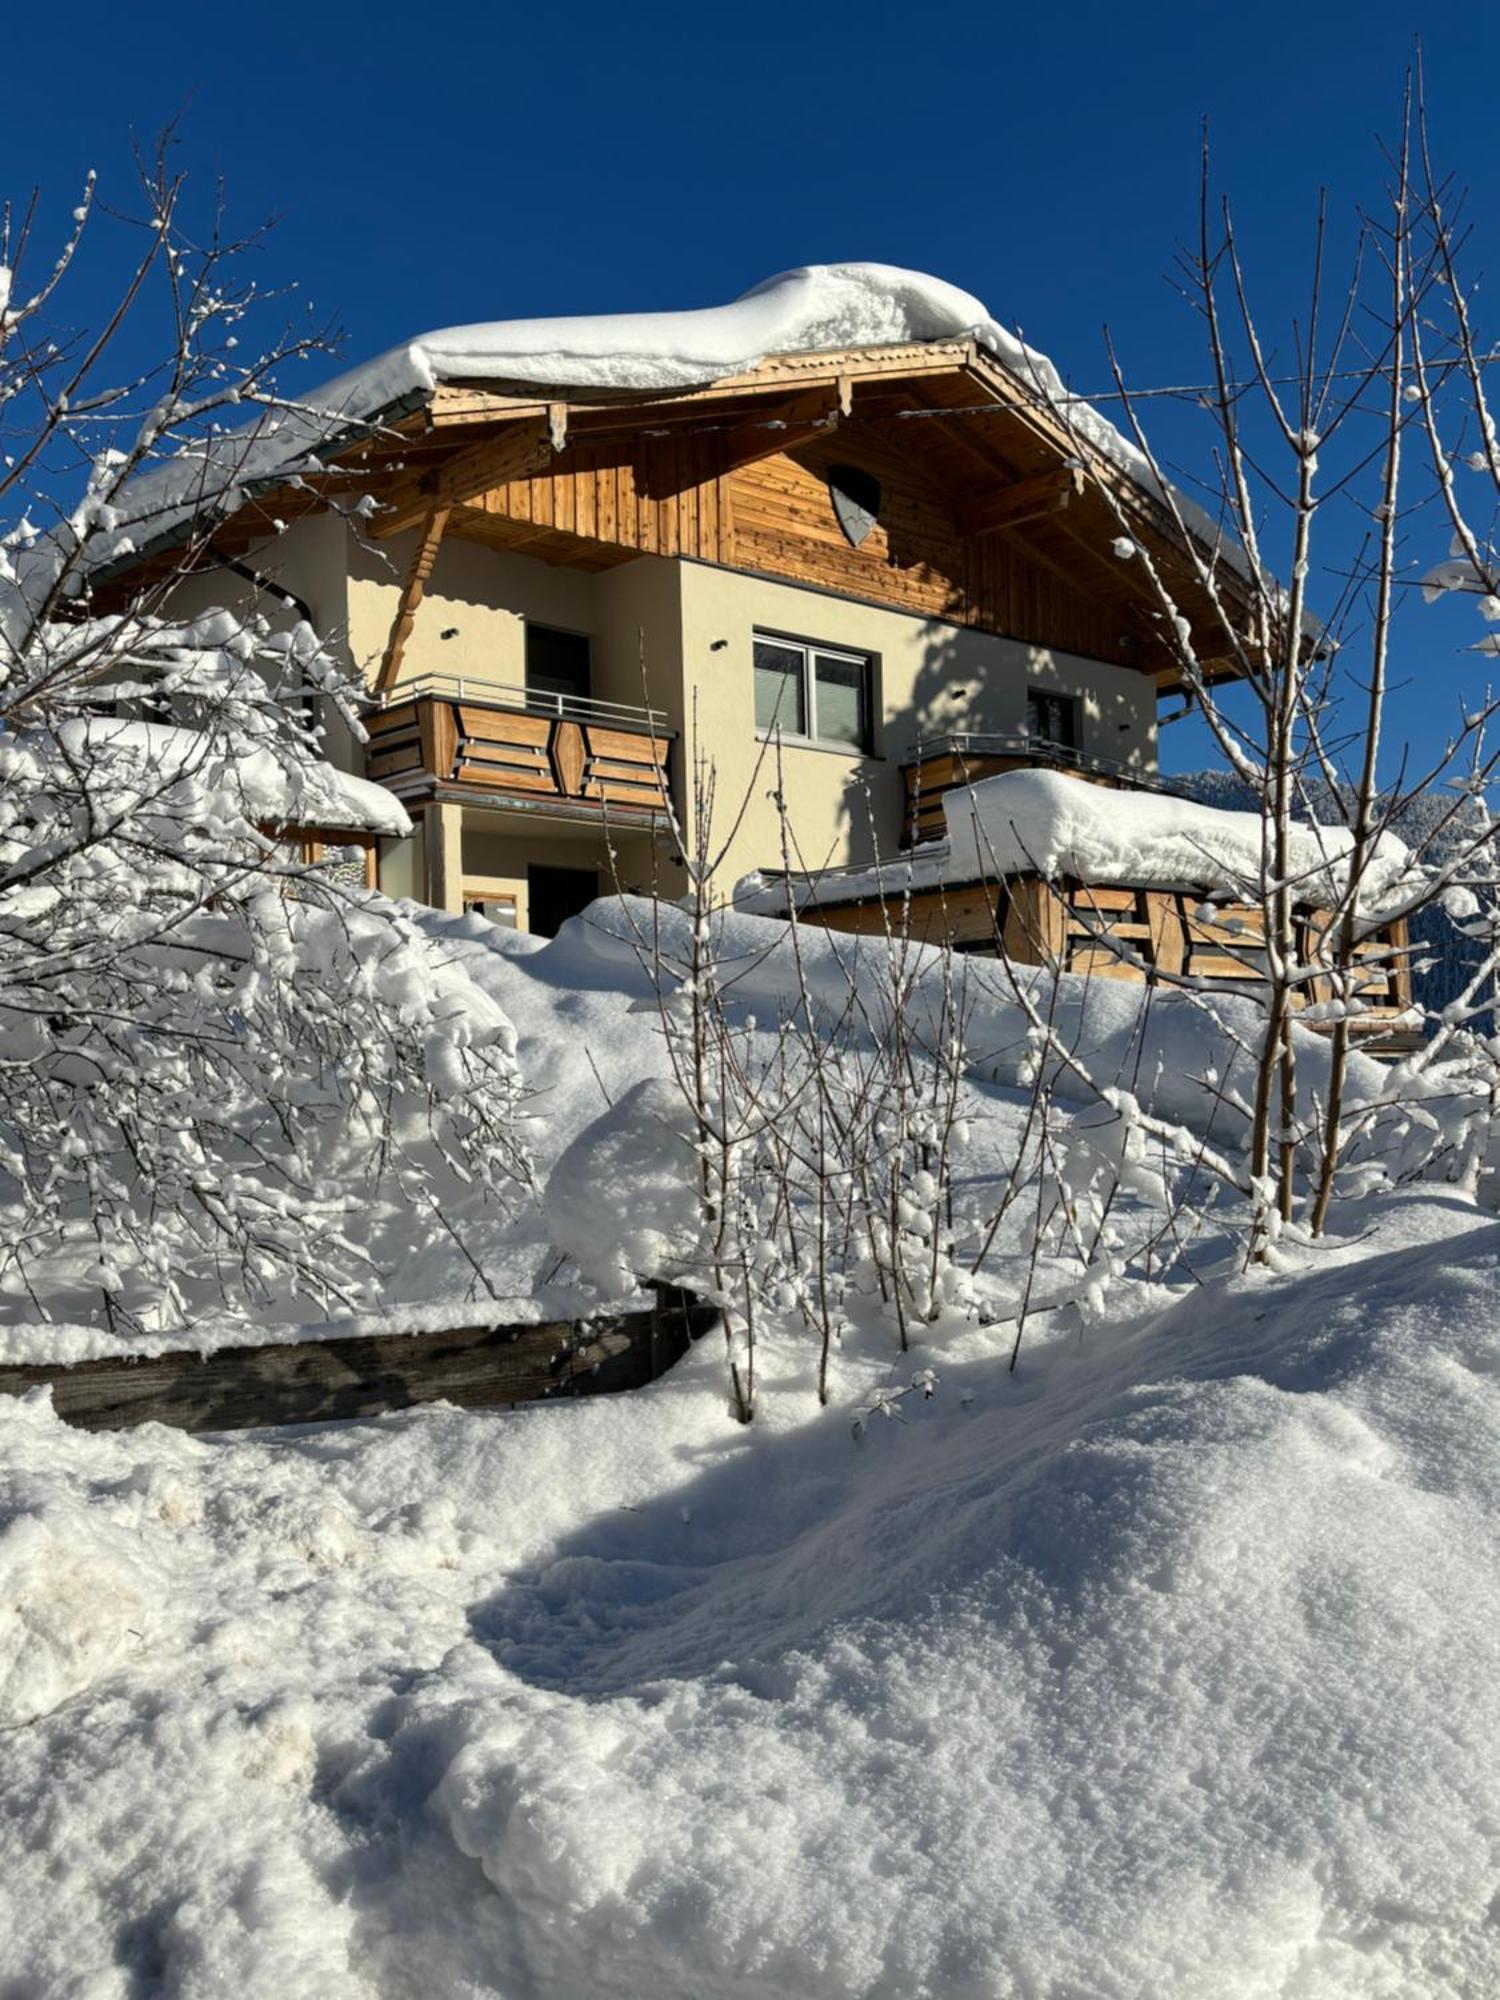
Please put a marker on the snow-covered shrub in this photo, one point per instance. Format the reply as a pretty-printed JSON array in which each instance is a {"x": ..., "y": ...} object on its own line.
[
  {"x": 875, "y": 1142},
  {"x": 210, "y": 1050},
  {"x": 210, "y": 1047}
]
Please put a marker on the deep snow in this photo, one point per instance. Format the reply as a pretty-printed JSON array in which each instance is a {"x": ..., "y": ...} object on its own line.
[
  {"x": 587, "y": 1029},
  {"x": 1164, "y": 1667},
  {"x": 1052, "y": 824},
  {"x": 261, "y": 784}
]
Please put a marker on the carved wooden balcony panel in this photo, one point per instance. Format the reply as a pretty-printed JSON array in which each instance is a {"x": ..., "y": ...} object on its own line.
[{"x": 581, "y": 758}]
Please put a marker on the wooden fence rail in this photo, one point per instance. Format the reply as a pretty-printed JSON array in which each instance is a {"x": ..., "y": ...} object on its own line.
[{"x": 320, "y": 1381}]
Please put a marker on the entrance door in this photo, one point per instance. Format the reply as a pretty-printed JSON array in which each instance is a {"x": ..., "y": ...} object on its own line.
[
  {"x": 557, "y": 665},
  {"x": 556, "y": 894}
]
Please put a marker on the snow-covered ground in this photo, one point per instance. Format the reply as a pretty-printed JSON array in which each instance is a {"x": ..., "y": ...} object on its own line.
[
  {"x": 588, "y": 1029},
  {"x": 1164, "y": 1665}
]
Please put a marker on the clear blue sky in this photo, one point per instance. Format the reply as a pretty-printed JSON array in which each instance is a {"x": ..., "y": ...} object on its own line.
[{"x": 434, "y": 165}]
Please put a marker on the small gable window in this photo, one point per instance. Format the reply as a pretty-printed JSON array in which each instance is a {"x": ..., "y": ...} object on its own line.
[{"x": 856, "y": 501}]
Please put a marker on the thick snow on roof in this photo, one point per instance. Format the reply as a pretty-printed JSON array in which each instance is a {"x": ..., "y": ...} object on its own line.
[
  {"x": 818, "y": 308},
  {"x": 814, "y": 309},
  {"x": 314, "y": 795},
  {"x": 1048, "y": 823}
]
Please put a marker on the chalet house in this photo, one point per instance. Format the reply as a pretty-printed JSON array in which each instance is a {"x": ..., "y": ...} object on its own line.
[{"x": 848, "y": 512}]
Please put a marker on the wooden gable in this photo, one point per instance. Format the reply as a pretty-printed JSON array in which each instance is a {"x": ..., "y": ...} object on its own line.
[{"x": 990, "y": 514}]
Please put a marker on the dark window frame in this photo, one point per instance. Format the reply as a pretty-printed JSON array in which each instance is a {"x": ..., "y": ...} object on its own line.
[
  {"x": 811, "y": 650},
  {"x": 1067, "y": 704}
]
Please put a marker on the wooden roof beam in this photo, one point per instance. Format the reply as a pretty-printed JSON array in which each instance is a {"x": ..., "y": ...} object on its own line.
[
  {"x": 514, "y": 452},
  {"x": 476, "y": 402},
  {"x": 1020, "y": 500},
  {"x": 802, "y": 420},
  {"x": 799, "y": 420}
]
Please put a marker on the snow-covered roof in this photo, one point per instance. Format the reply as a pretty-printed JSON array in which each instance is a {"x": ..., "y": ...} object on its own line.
[
  {"x": 817, "y": 308},
  {"x": 315, "y": 794},
  {"x": 1048, "y": 823}
]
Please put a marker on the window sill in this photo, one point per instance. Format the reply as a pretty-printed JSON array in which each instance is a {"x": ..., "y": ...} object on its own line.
[{"x": 850, "y": 750}]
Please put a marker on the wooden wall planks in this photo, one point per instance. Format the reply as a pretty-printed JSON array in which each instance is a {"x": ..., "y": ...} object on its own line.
[
  {"x": 667, "y": 496},
  {"x": 321, "y": 1381}
]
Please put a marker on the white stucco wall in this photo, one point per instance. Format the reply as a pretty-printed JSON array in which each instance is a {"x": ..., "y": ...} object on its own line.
[
  {"x": 470, "y": 622},
  {"x": 690, "y": 626},
  {"x": 930, "y": 678}
]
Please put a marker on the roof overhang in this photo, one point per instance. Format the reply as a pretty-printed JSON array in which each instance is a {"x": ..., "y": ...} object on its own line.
[{"x": 1014, "y": 461}]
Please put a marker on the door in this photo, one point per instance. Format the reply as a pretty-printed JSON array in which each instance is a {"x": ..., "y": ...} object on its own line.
[
  {"x": 556, "y": 894},
  {"x": 557, "y": 667}
]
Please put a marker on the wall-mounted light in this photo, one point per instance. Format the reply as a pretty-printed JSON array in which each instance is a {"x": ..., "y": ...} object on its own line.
[
  {"x": 717, "y": 645},
  {"x": 451, "y": 632}
]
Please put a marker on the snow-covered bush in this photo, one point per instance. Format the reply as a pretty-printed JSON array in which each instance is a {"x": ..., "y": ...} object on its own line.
[{"x": 210, "y": 1049}]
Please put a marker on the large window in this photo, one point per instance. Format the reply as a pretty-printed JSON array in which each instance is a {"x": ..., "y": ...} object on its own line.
[{"x": 818, "y": 693}]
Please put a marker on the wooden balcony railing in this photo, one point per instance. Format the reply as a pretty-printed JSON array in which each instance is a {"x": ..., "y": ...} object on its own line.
[
  {"x": 1120, "y": 931},
  {"x": 553, "y": 752},
  {"x": 942, "y": 762}
]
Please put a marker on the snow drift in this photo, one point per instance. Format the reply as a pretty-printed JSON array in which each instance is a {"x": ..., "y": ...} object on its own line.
[
  {"x": 1165, "y": 1664},
  {"x": 579, "y": 1016},
  {"x": 1167, "y": 1667}
]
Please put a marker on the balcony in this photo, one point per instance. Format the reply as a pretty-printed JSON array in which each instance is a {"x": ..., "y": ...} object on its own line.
[
  {"x": 556, "y": 754},
  {"x": 942, "y": 762}
]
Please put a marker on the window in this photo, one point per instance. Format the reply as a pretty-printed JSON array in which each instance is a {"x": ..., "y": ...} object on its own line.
[
  {"x": 1052, "y": 718},
  {"x": 557, "y": 664},
  {"x": 555, "y": 894},
  {"x": 497, "y": 910},
  {"x": 814, "y": 692}
]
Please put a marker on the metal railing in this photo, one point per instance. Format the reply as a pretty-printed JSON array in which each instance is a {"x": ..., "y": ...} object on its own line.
[
  {"x": 526, "y": 701},
  {"x": 1036, "y": 750}
]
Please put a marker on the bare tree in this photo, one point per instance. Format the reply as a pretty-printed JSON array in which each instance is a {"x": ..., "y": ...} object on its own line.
[
  {"x": 1297, "y": 443},
  {"x": 212, "y": 1051}
]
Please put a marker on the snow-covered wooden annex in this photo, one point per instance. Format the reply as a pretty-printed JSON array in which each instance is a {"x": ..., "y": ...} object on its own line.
[
  {"x": 848, "y": 512},
  {"x": 1091, "y": 874}
]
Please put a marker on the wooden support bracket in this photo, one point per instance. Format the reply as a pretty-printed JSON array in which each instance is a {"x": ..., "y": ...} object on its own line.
[
  {"x": 1020, "y": 500},
  {"x": 412, "y": 588},
  {"x": 802, "y": 420},
  {"x": 515, "y": 452}
]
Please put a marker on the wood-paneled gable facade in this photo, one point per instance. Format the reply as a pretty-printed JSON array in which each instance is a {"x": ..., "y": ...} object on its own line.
[
  {"x": 600, "y": 503},
  {"x": 993, "y": 513}
]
